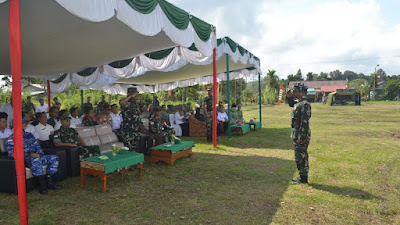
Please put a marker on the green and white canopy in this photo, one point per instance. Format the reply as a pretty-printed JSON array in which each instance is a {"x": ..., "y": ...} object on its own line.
[
  {"x": 68, "y": 36},
  {"x": 166, "y": 69}
]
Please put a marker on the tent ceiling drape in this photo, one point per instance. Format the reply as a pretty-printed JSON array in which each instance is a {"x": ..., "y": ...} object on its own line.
[
  {"x": 66, "y": 36},
  {"x": 177, "y": 67}
]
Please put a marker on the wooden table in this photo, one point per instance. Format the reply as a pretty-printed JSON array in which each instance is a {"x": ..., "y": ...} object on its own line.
[
  {"x": 169, "y": 154},
  {"x": 104, "y": 169}
]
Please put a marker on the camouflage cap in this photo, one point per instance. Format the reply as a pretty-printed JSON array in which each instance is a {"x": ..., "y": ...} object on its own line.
[
  {"x": 64, "y": 117},
  {"x": 132, "y": 90},
  {"x": 299, "y": 87},
  {"x": 209, "y": 89}
]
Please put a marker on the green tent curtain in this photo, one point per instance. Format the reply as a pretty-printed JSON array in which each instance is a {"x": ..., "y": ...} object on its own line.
[{"x": 178, "y": 17}]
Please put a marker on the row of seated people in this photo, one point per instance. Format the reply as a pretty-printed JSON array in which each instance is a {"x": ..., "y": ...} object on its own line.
[{"x": 65, "y": 136}]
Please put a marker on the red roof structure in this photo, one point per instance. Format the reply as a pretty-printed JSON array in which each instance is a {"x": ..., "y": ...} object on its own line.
[{"x": 323, "y": 86}]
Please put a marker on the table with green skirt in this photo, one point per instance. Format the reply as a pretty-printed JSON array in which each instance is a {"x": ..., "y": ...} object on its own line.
[
  {"x": 256, "y": 125},
  {"x": 241, "y": 129},
  {"x": 169, "y": 152},
  {"x": 104, "y": 166}
]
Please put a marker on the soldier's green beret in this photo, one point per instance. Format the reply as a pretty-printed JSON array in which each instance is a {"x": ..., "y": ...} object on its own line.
[
  {"x": 300, "y": 87},
  {"x": 64, "y": 117},
  {"x": 132, "y": 90},
  {"x": 156, "y": 108}
]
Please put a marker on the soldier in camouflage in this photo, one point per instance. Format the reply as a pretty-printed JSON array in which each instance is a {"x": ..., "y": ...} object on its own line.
[
  {"x": 209, "y": 107},
  {"x": 29, "y": 106},
  {"x": 101, "y": 104},
  {"x": 301, "y": 132},
  {"x": 69, "y": 137},
  {"x": 130, "y": 126},
  {"x": 159, "y": 132},
  {"x": 35, "y": 159}
]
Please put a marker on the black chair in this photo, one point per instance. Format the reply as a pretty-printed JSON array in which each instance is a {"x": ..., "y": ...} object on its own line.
[{"x": 8, "y": 173}]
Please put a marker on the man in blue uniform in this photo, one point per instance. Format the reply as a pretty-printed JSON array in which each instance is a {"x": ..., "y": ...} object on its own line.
[{"x": 35, "y": 160}]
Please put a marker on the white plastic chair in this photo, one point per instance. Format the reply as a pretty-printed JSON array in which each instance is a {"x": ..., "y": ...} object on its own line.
[{"x": 177, "y": 128}]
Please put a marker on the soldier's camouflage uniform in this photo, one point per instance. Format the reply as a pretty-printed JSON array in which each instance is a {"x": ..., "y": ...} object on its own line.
[
  {"x": 70, "y": 135},
  {"x": 35, "y": 164},
  {"x": 100, "y": 106},
  {"x": 301, "y": 134},
  {"x": 158, "y": 131},
  {"x": 209, "y": 103},
  {"x": 29, "y": 107},
  {"x": 89, "y": 122},
  {"x": 130, "y": 126},
  {"x": 86, "y": 106}
]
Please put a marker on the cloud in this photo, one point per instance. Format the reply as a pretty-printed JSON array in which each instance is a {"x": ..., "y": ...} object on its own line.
[{"x": 312, "y": 35}]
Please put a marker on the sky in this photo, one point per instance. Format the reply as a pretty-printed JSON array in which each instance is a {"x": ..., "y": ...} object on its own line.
[{"x": 311, "y": 35}]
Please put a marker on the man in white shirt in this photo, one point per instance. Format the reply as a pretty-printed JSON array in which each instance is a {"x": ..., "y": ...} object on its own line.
[
  {"x": 222, "y": 119},
  {"x": 75, "y": 117},
  {"x": 42, "y": 107},
  {"x": 44, "y": 130},
  {"x": 4, "y": 131},
  {"x": 116, "y": 121},
  {"x": 7, "y": 108}
]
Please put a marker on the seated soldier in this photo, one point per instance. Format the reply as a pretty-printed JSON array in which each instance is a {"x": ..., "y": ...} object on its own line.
[
  {"x": 69, "y": 137},
  {"x": 4, "y": 131},
  {"x": 60, "y": 114},
  {"x": 105, "y": 118},
  {"x": 200, "y": 115},
  {"x": 159, "y": 132},
  {"x": 90, "y": 119},
  {"x": 35, "y": 159}
]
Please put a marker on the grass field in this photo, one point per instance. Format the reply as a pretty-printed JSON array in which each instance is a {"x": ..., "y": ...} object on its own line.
[{"x": 354, "y": 178}]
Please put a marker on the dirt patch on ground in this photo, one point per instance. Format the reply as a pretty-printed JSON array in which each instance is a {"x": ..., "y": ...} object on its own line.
[{"x": 393, "y": 134}]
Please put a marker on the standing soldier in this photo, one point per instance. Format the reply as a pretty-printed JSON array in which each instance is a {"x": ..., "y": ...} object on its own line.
[
  {"x": 301, "y": 132},
  {"x": 56, "y": 103},
  {"x": 29, "y": 106},
  {"x": 87, "y": 105},
  {"x": 101, "y": 104},
  {"x": 69, "y": 137},
  {"x": 209, "y": 107},
  {"x": 130, "y": 126}
]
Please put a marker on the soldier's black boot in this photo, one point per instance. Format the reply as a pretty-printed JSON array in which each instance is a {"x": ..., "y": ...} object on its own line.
[
  {"x": 50, "y": 184},
  {"x": 300, "y": 180},
  {"x": 304, "y": 179},
  {"x": 42, "y": 185},
  {"x": 209, "y": 138}
]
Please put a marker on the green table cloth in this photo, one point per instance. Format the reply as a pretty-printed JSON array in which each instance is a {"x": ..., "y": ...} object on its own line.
[
  {"x": 174, "y": 148},
  {"x": 257, "y": 125},
  {"x": 245, "y": 128},
  {"x": 123, "y": 159}
]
